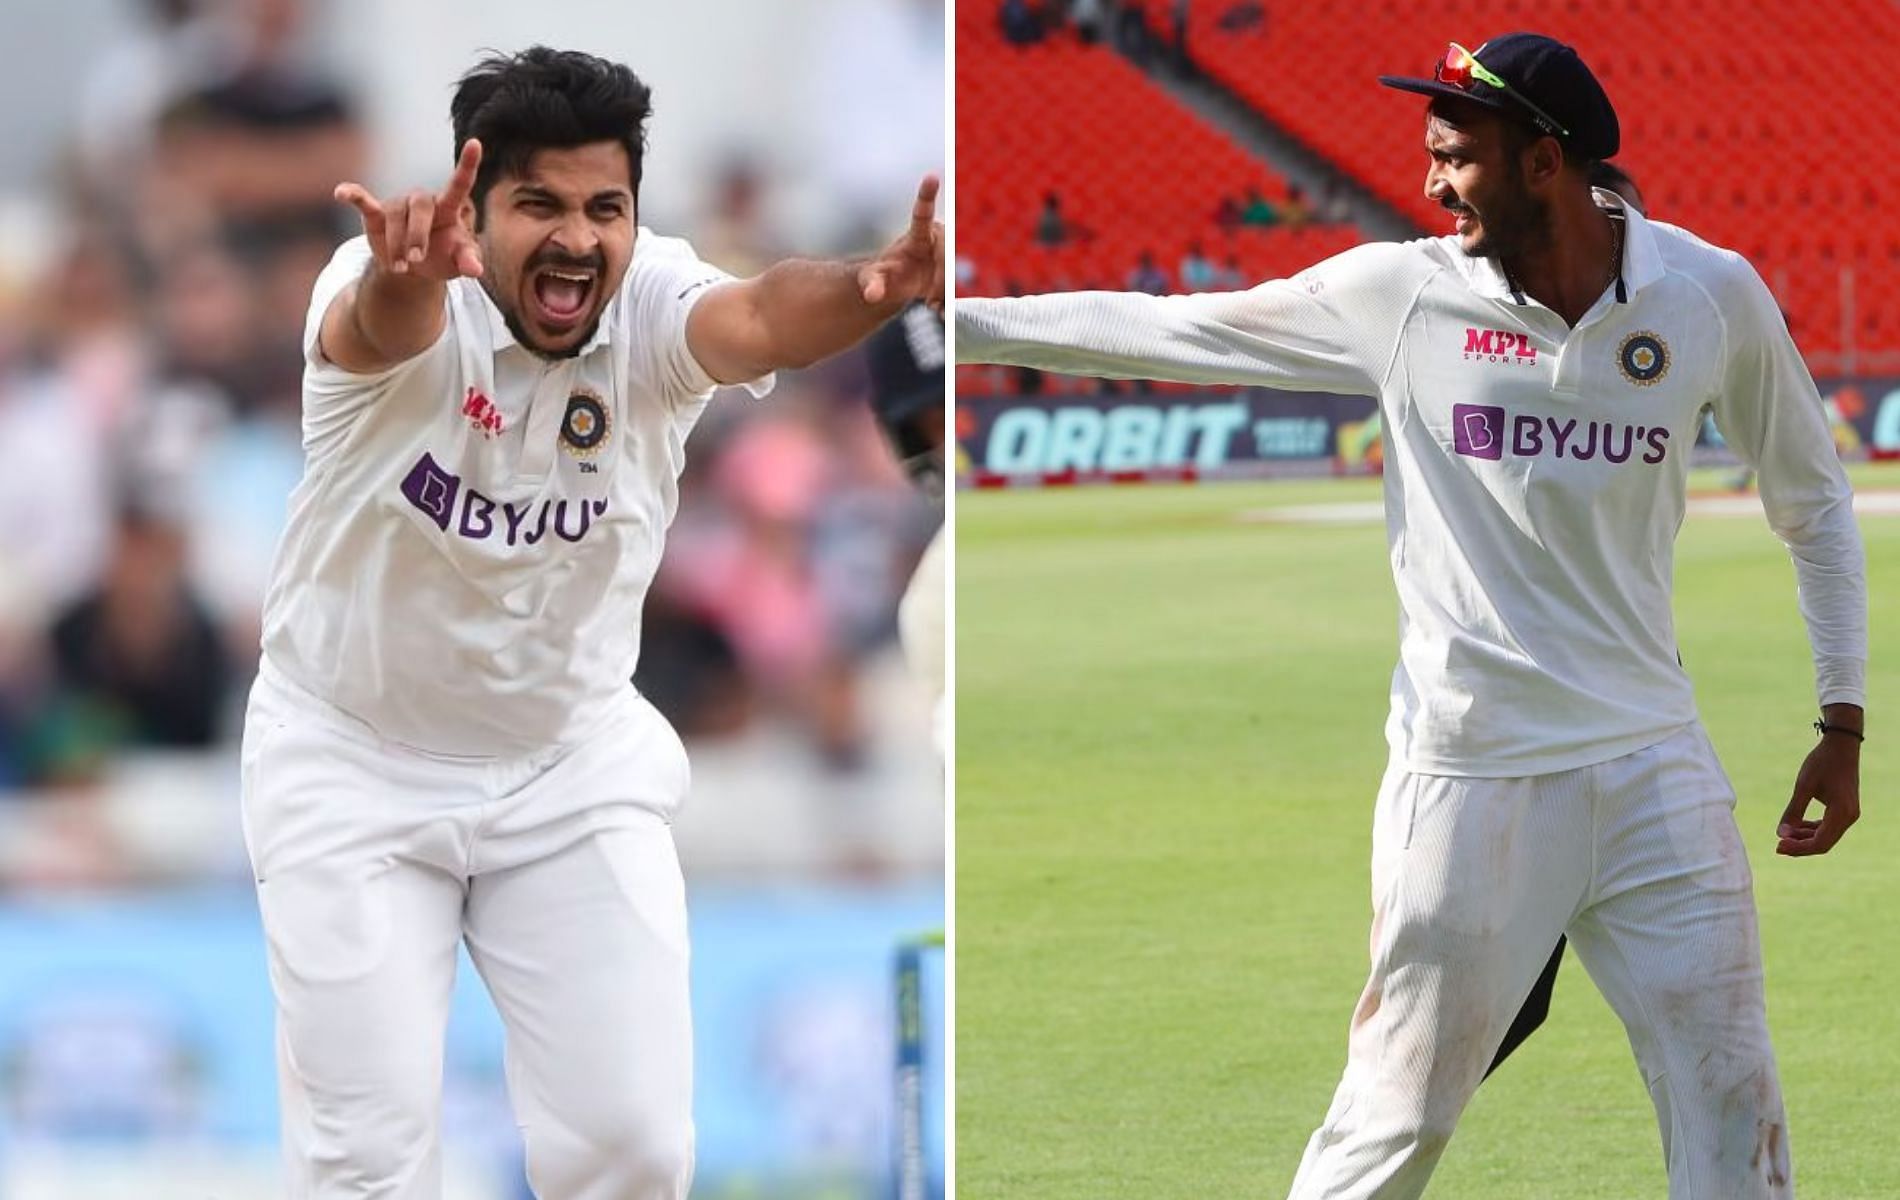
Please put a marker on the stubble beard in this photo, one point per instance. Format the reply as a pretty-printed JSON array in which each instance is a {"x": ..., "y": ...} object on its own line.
[
  {"x": 1519, "y": 224},
  {"x": 511, "y": 316}
]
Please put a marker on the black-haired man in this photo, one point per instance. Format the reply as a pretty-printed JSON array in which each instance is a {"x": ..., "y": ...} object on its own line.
[
  {"x": 1542, "y": 373},
  {"x": 443, "y": 744}
]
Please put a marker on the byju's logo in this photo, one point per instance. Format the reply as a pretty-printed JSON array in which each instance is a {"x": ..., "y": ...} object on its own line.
[
  {"x": 1499, "y": 346},
  {"x": 434, "y": 491},
  {"x": 1482, "y": 431},
  {"x": 1477, "y": 430}
]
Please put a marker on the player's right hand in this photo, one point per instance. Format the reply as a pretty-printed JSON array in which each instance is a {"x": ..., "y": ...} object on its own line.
[{"x": 420, "y": 234}]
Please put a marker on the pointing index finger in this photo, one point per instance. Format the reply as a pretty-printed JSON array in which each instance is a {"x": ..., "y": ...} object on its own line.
[
  {"x": 463, "y": 181},
  {"x": 924, "y": 211}
]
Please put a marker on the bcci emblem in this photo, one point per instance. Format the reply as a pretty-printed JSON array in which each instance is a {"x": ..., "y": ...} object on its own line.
[
  {"x": 584, "y": 425},
  {"x": 1643, "y": 357}
]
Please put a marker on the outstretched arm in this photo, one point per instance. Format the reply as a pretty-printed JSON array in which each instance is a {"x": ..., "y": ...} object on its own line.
[
  {"x": 1334, "y": 327},
  {"x": 799, "y": 311}
]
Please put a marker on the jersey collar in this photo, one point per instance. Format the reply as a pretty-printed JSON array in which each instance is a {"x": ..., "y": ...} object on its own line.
[{"x": 1642, "y": 259}]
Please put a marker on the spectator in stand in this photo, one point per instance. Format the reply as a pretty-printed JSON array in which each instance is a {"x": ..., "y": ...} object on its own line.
[
  {"x": 1333, "y": 206},
  {"x": 1227, "y": 214},
  {"x": 181, "y": 45},
  {"x": 1147, "y": 277},
  {"x": 1133, "y": 37},
  {"x": 1198, "y": 273},
  {"x": 1258, "y": 211},
  {"x": 739, "y": 235},
  {"x": 1090, "y": 18},
  {"x": 141, "y": 645},
  {"x": 1295, "y": 212},
  {"x": 264, "y": 142},
  {"x": 1051, "y": 229},
  {"x": 1021, "y": 24},
  {"x": 1243, "y": 17},
  {"x": 1231, "y": 277},
  {"x": 1183, "y": 65},
  {"x": 205, "y": 311}
]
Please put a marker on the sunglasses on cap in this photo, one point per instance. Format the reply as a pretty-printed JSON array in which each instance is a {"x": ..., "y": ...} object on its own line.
[{"x": 1460, "y": 67}]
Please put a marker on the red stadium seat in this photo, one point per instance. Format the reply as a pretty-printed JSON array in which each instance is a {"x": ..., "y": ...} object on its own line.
[
  {"x": 1133, "y": 168},
  {"x": 1721, "y": 123}
]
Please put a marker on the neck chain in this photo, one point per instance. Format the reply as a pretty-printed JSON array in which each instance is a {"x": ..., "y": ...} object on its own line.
[{"x": 1616, "y": 259}]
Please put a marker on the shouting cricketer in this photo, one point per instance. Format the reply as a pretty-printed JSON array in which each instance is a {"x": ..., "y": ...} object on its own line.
[
  {"x": 443, "y": 744},
  {"x": 1541, "y": 374}
]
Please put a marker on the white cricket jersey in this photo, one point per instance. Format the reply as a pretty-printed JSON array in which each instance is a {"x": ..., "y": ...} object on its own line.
[
  {"x": 472, "y": 541},
  {"x": 1535, "y": 474}
]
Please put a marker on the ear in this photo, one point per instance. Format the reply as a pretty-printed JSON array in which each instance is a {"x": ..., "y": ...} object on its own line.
[{"x": 1545, "y": 160}]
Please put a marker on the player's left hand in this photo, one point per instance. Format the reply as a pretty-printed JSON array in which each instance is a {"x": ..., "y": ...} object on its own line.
[
  {"x": 1831, "y": 775},
  {"x": 910, "y": 268}
]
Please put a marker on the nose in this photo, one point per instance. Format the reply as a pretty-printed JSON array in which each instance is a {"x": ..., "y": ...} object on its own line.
[
  {"x": 575, "y": 235},
  {"x": 1435, "y": 184}
]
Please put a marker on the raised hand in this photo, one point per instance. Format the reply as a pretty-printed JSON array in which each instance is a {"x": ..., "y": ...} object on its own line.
[
  {"x": 417, "y": 233},
  {"x": 911, "y": 267}
]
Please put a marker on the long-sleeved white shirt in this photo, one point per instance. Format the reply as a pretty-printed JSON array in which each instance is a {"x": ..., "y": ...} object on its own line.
[{"x": 1536, "y": 474}]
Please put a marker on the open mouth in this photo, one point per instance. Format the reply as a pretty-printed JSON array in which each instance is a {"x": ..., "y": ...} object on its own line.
[
  {"x": 1463, "y": 222},
  {"x": 563, "y": 295}
]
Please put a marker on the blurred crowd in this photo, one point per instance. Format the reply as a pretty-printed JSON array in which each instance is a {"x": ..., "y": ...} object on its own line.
[{"x": 149, "y": 431}]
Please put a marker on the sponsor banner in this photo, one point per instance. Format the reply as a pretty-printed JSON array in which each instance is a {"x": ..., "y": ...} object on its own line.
[
  {"x": 1161, "y": 435},
  {"x": 1185, "y": 435}
]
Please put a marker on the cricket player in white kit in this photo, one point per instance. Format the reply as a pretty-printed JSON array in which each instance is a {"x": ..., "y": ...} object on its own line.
[
  {"x": 443, "y": 742},
  {"x": 1541, "y": 373}
]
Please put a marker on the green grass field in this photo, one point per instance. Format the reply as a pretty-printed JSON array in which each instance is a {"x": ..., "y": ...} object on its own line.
[{"x": 1168, "y": 740}]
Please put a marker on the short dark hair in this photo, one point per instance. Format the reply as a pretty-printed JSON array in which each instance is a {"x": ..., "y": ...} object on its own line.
[
  {"x": 540, "y": 99},
  {"x": 1609, "y": 175}
]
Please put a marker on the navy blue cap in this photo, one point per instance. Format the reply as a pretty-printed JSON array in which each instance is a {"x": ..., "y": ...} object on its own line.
[{"x": 1547, "y": 73}]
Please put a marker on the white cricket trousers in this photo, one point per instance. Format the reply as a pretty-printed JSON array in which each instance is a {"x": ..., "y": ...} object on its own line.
[
  {"x": 374, "y": 860},
  {"x": 1640, "y": 861}
]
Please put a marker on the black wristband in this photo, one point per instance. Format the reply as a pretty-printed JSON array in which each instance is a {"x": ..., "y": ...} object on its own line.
[{"x": 1822, "y": 727}]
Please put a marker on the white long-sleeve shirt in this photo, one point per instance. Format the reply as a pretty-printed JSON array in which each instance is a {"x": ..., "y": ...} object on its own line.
[{"x": 1536, "y": 474}]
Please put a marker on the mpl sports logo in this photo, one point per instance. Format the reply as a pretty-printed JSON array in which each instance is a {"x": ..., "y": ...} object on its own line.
[
  {"x": 441, "y": 497},
  {"x": 1499, "y": 346},
  {"x": 1483, "y": 431}
]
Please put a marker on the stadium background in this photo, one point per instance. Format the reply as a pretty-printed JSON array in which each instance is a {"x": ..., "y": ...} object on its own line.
[
  {"x": 165, "y": 171},
  {"x": 1170, "y": 696}
]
